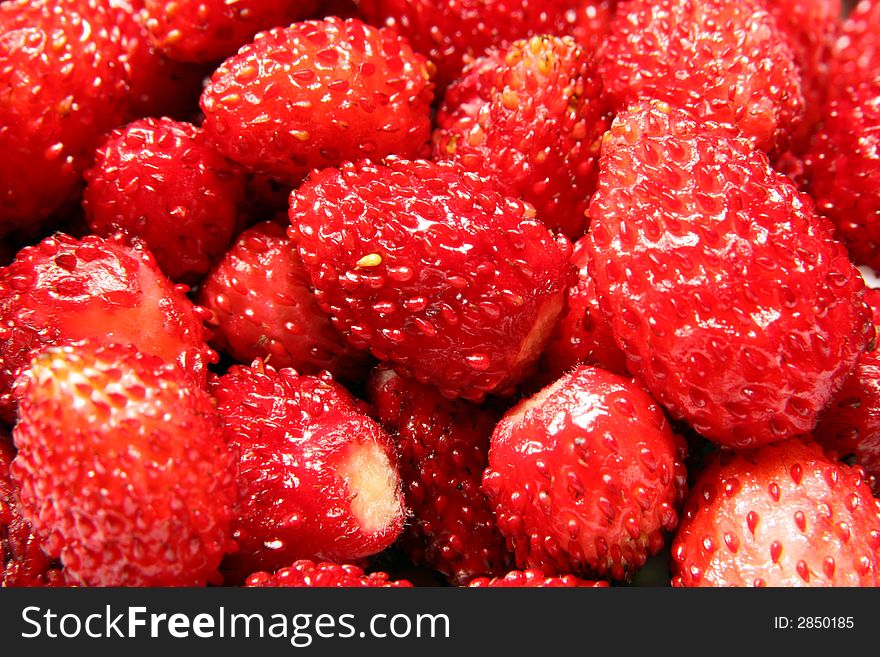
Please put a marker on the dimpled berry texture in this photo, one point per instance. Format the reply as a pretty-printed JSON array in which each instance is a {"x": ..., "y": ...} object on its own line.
[
  {"x": 123, "y": 469},
  {"x": 857, "y": 49},
  {"x": 533, "y": 578},
  {"x": 727, "y": 293},
  {"x": 293, "y": 432},
  {"x": 844, "y": 166},
  {"x": 444, "y": 448},
  {"x": 585, "y": 476},
  {"x": 433, "y": 270},
  {"x": 308, "y": 574},
  {"x": 780, "y": 515},
  {"x": 61, "y": 86},
  {"x": 160, "y": 180},
  {"x": 64, "y": 290},
  {"x": 316, "y": 94},
  {"x": 530, "y": 118},
  {"x": 722, "y": 61},
  {"x": 208, "y": 30},
  {"x": 264, "y": 307}
]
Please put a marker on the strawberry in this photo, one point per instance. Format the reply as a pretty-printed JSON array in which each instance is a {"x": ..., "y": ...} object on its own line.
[
  {"x": 532, "y": 120},
  {"x": 856, "y": 53},
  {"x": 264, "y": 308},
  {"x": 316, "y": 94},
  {"x": 210, "y": 30},
  {"x": 743, "y": 74},
  {"x": 433, "y": 270},
  {"x": 160, "y": 180},
  {"x": 317, "y": 477},
  {"x": 443, "y": 447},
  {"x": 844, "y": 169},
  {"x": 453, "y": 32},
  {"x": 583, "y": 335},
  {"x": 63, "y": 85},
  {"x": 64, "y": 290},
  {"x": 122, "y": 467},
  {"x": 534, "y": 579},
  {"x": 308, "y": 574},
  {"x": 779, "y": 515},
  {"x": 727, "y": 293},
  {"x": 585, "y": 476},
  {"x": 589, "y": 22}
]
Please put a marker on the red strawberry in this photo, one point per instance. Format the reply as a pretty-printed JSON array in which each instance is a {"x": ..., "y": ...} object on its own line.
[
  {"x": 317, "y": 477},
  {"x": 316, "y": 94},
  {"x": 534, "y": 579},
  {"x": 122, "y": 467},
  {"x": 583, "y": 335},
  {"x": 309, "y": 574},
  {"x": 856, "y": 54},
  {"x": 780, "y": 515},
  {"x": 160, "y": 180},
  {"x": 22, "y": 561},
  {"x": 264, "y": 308},
  {"x": 844, "y": 168},
  {"x": 453, "y": 32},
  {"x": 63, "y": 290},
  {"x": 723, "y": 61},
  {"x": 62, "y": 86},
  {"x": 585, "y": 476},
  {"x": 209, "y": 30},
  {"x": 530, "y": 117},
  {"x": 589, "y": 22},
  {"x": 443, "y": 447},
  {"x": 727, "y": 293},
  {"x": 433, "y": 270}
]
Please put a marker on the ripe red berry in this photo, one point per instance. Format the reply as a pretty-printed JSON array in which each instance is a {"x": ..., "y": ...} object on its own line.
[
  {"x": 856, "y": 54},
  {"x": 309, "y": 574},
  {"x": 534, "y": 579},
  {"x": 122, "y": 466},
  {"x": 433, "y": 270}
]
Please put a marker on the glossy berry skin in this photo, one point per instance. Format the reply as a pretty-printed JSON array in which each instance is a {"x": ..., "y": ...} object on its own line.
[
  {"x": 211, "y": 30},
  {"x": 534, "y": 578},
  {"x": 780, "y": 515},
  {"x": 443, "y": 447},
  {"x": 844, "y": 169},
  {"x": 64, "y": 85},
  {"x": 160, "y": 180},
  {"x": 316, "y": 94},
  {"x": 589, "y": 22},
  {"x": 122, "y": 468},
  {"x": 453, "y": 32},
  {"x": 531, "y": 118},
  {"x": 722, "y": 61},
  {"x": 585, "y": 476},
  {"x": 727, "y": 293},
  {"x": 583, "y": 335},
  {"x": 317, "y": 477},
  {"x": 308, "y": 574},
  {"x": 65, "y": 290},
  {"x": 856, "y": 56},
  {"x": 264, "y": 308},
  {"x": 433, "y": 270}
]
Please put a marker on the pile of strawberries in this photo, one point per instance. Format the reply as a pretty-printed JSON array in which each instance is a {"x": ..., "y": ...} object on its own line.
[{"x": 393, "y": 292}]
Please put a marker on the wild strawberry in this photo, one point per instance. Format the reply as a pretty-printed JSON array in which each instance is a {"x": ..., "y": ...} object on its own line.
[
  {"x": 264, "y": 308},
  {"x": 534, "y": 579},
  {"x": 583, "y": 335},
  {"x": 531, "y": 118},
  {"x": 589, "y": 22},
  {"x": 433, "y": 270},
  {"x": 160, "y": 180},
  {"x": 844, "y": 169},
  {"x": 63, "y": 85},
  {"x": 317, "y": 477},
  {"x": 443, "y": 447},
  {"x": 316, "y": 94},
  {"x": 585, "y": 476},
  {"x": 122, "y": 467},
  {"x": 727, "y": 293},
  {"x": 309, "y": 574},
  {"x": 856, "y": 54},
  {"x": 64, "y": 290},
  {"x": 780, "y": 515},
  {"x": 722, "y": 61},
  {"x": 210, "y": 30}
]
